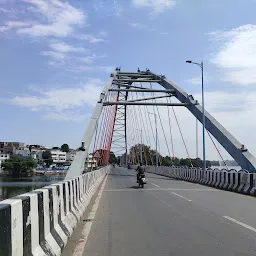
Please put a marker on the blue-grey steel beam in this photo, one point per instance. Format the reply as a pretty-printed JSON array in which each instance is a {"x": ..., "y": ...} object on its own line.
[
  {"x": 241, "y": 155},
  {"x": 128, "y": 103},
  {"x": 141, "y": 90}
]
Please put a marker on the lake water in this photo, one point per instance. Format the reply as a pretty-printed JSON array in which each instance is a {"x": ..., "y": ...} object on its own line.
[
  {"x": 10, "y": 187},
  {"x": 238, "y": 168}
]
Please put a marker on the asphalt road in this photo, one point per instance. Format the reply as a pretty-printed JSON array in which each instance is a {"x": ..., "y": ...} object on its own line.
[{"x": 170, "y": 217}]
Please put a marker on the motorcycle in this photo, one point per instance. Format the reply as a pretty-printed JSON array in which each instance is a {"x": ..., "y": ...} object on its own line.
[{"x": 142, "y": 180}]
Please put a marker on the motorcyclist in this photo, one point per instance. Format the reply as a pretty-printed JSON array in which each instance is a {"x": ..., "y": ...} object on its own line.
[{"x": 140, "y": 171}]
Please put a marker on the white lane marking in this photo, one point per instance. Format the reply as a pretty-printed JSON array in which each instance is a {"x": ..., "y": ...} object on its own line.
[
  {"x": 79, "y": 249},
  {"x": 240, "y": 223},
  {"x": 181, "y": 196},
  {"x": 162, "y": 189},
  {"x": 154, "y": 184}
]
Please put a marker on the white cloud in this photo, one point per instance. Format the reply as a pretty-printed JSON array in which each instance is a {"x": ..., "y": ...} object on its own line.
[
  {"x": 65, "y": 48},
  {"x": 56, "y": 56},
  {"x": 90, "y": 59},
  {"x": 82, "y": 68},
  {"x": 144, "y": 27},
  {"x": 110, "y": 7},
  {"x": 157, "y": 6},
  {"x": 106, "y": 68},
  {"x": 65, "y": 116},
  {"x": 4, "y": 10},
  {"x": 60, "y": 99},
  {"x": 194, "y": 80},
  {"x": 197, "y": 80},
  {"x": 118, "y": 10},
  {"x": 138, "y": 25},
  {"x": 13, "y": 25},
  {"x": 61, "y": 103},
  {"x": 91, "y": 38},
  {"x": 58, "y": 18},
  {"x": 236, "y": 54},
  {"x": 8, "y": 12}
]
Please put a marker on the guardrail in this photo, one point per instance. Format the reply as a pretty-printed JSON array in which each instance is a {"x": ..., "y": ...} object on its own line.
[
  {"x": 41, "y": 221},
  {"x": 231, "y": 180}
]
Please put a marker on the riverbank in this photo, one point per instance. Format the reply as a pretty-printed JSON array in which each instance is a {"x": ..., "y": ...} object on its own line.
[{"x": 10, "y": 187}]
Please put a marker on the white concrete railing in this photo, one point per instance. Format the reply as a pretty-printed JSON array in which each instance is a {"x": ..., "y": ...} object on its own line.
[
  {"x": 241, "y": 182},
  {"x": 41, "y": 221}
]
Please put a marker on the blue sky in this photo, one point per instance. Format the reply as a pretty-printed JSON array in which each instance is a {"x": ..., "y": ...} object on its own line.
[{"x": 56, "y": 56}]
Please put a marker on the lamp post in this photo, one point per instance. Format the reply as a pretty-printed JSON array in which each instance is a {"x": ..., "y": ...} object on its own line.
[
  {"x": 201, "y": 65},
  {"x": 156, "y": 138}
]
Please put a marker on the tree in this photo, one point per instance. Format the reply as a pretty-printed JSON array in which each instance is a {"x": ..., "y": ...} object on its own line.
[
  {"x": 112, "y": 158},
  {"x": 166, "y": 161},
  {"x": 47, "y": 157},
  {"x": 185, "y": 162},
  {"x": 65, "y": 148},
  {"x": 197, "y": 162},
  {"x": 148, "y": 155},
  {"x": 18, "y": 166}
]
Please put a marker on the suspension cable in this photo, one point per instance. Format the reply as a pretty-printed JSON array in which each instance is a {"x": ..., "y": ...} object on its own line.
[
  {"x": 170, "y": 126},
  {"x": 217, "y": 148},
  {"x": 181, "y": 133},
  {"x": 141, "y": 118}
]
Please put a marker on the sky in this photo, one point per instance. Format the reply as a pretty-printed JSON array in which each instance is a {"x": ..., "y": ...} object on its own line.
[{"x": 56, "y": 56}]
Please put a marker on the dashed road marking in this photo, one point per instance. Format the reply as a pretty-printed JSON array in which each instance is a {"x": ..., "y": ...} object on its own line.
[
  {"x": 154, "y": 184},
  {"x": 162, "y": 189},
  {"x": 240, "y": 223},
  {"x": 181, "y": 196}
]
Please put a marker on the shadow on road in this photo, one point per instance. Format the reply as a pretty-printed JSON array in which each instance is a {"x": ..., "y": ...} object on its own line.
[
  {"x": 118, "y": 174},
  {"x": 161, "y": 178},
  {"x": 134, "y": 187}
]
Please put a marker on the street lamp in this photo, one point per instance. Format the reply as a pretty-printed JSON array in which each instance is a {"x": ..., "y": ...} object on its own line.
[
  {"x": 201, "y": 65},
  {"x": 156, "y": 137}
]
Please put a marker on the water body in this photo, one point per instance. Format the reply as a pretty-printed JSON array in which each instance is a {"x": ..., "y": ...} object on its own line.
[
  {"x": 237, "y": 168},
  {"x": 10, "y": 187}
]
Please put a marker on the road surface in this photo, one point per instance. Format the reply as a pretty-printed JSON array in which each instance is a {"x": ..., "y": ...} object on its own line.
[{"x": 170, "y": 217}]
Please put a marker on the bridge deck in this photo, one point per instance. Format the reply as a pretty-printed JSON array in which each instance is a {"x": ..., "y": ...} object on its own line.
[{"x": 170, "y": 217}]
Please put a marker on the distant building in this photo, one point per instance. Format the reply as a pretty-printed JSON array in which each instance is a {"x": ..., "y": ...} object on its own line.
[
  {"x": 91, "y": 161},
  {"x": 71, "y": 156},
  {"x": 23, "y": 152},
  {"x": 10, "y": 147},
  {"x": 37, "y": 151},
  {"x": 58, "y": 156},
  {"x": 3, "y": 157}
]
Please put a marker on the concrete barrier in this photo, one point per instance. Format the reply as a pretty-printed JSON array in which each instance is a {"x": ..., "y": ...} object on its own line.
[
  {"x": 41, "y": 221},
  {"x": 253, "y": 189},
  {"x": 228, "y": 180}
]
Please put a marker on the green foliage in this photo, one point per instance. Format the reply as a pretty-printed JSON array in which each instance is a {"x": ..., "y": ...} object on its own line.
[
  {"x": 65, "y": 148},
  {"x": 47, "y": 157},
  {"x": 149, "y": 154},
  {"x": 112, "y": 158},
  {"x": 18, "y": 166}
]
